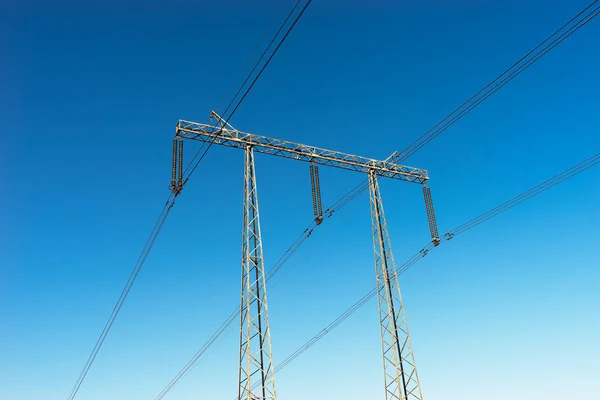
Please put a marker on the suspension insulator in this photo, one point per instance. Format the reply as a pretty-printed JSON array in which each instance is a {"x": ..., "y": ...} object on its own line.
[
  {"x": 318, "y": 187},
  {"x": 312, "y": 188},
  {"x": 316, "y": 193},
  {"x": 180, "y": 172},
  {"x": 174, "y": 169},
  {"x": 431, "y": 215}
]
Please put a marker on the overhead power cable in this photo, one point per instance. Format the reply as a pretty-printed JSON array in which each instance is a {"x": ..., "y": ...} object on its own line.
[
  {"x": 517, "y": 68},
  {"x": 556, "y": 38},
  {"x": 125, "y": 292},
  {"x": 192, "y": 161},
  {"x": 266, "y": 51},
  {"x": 256, "y": 51},
  {"x": 235, "y": 314},
  {"x": 243, "y": 97},
  {"x": 542, "y": 187},
  {"x": 534, "y": 191},
  {"x": 165, "y": 212},
  {"x": 562, "y": 33}
]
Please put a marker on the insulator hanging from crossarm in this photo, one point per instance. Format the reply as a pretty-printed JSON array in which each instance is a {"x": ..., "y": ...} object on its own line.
[
  {"x": 318, "y": 186},
  {"x": 431, "y": 215},
  {"x": 312, "y": 188},
  {"x": 177, "y": 167},
  {"x": 180, "y": 173},
  {"x": 316, "y": 193},
  {"x": 174, "y": 169}
]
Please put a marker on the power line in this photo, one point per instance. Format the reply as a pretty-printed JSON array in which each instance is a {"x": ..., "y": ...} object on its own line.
[
  {"x": 562, "y": 33},
  {"x": 264, "y": 53},
  {"x": 125, "y": 292},
  {"x": 256, "y": 49},
  {"x": 505, "y": 77},
  {"x": 228, "y": 117},
  {"x": 534, "y": 191},
  {"x": 231, "y": 318},
  {"x": 162, "y": 218},
  {"x": 251, "y": 72},
  {"x": 542, "y": 187}
]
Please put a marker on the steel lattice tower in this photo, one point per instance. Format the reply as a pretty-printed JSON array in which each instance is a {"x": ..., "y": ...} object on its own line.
[
  {"x": 256, "y": 375},
  {"x": 256, "y": 372},
  {"x": 400, "y": 371}
]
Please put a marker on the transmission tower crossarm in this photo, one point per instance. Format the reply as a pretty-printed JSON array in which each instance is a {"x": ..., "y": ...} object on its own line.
[{"x": 224, "y": 134}]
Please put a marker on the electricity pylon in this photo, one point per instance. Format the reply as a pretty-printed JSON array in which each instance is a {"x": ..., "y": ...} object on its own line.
[{"x": 256, "y": 372}]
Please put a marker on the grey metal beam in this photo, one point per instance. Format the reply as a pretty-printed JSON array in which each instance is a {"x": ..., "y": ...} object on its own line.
[{"x": 222, "y": 133}]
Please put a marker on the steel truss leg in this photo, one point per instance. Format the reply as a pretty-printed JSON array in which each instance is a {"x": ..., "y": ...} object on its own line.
[
  {"x": 400, "y": 371},
  {"x": 256, "y": 375}
]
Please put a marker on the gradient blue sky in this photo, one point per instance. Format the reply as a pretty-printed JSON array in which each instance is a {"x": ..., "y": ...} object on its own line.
[{"x": 90, "y": 97}]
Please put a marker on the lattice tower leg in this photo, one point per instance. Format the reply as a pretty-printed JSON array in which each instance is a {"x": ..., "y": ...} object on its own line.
[
  {"x": 400, "y": 371},
  {"x": 256, "y": 374}
]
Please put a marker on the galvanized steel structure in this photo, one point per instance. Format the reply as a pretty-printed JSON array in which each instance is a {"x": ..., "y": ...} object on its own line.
[{"x": 256, "y": 371}]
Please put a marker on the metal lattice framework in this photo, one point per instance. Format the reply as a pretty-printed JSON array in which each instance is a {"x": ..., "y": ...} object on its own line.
[
  {"x": 224, "y": 134},
  {"x": 256, "y": 373},
  {"x": 400, "y": 371}
]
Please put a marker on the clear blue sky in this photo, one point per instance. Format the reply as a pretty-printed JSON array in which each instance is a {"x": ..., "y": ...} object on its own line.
[{"x": 90, "y": 96}]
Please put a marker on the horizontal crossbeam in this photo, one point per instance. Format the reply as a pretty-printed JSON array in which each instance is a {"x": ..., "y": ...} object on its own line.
[{"x": 222, "y": 133}]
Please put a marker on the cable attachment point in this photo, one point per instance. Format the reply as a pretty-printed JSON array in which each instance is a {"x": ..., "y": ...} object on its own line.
[
  {"x": 316, "y": 193},
  {"x": 435, "y": 238}
]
